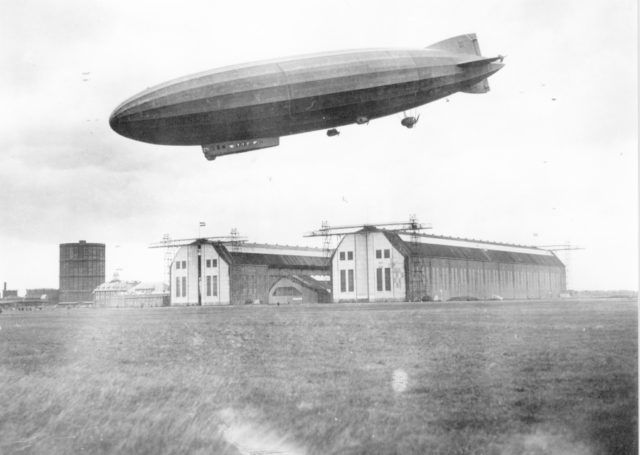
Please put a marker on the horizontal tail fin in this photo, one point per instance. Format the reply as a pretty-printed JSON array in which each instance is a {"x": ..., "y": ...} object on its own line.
[
  {"x": 480, "y": 61},
  {"x": 463, "y": 44}
]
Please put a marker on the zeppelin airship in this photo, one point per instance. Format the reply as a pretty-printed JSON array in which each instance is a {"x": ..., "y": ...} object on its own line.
[{"x": 250, "y": 106}]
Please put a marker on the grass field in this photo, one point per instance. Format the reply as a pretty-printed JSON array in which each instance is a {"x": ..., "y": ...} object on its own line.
[{"x": 474, "y": 377}]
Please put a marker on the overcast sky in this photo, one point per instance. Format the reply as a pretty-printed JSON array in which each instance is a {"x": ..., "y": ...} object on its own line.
[{"x": 511, "y": 165}]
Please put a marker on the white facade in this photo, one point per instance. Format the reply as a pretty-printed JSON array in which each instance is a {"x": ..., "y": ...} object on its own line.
[
  {"x": 209, "y": 287},
  {"x": 366, "y": 267}
]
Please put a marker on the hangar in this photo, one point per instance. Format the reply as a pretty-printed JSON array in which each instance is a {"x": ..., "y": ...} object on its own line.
[
  {"x": 207, "y": 272},
  {"x": 374, "y": 264}
]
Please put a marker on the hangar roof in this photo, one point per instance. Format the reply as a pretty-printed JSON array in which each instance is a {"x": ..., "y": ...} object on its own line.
[
  {"x": 273, "y": 256},
  {"x": 434, "y": 247},
  {"x": 280, "y": 260}
]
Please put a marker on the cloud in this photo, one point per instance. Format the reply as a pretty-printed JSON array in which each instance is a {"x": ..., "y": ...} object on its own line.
[
  {"x": 77, "y": 146},
  {"x": 47, "y": 204}
]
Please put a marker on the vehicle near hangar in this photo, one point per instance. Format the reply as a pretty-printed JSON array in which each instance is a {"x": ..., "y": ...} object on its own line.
[{"x": 250, "y": 106}]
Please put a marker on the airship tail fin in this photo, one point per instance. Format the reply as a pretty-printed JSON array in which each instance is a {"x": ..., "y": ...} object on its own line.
[{"x": 463, "y": 44}]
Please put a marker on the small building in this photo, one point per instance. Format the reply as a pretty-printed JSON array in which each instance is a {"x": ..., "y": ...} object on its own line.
[
  {"x": 112, "y": 293},
  {"x": 300, "y": 289},
  {"x": 147, "y": 294},
  {"x": 47, "y": 296},
  {"x": 9, "y": 293},
  {"x": 377, "y": 265},
  {"x": 213, "y": 273}
]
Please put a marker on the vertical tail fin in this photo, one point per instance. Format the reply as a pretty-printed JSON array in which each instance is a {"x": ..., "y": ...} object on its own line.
[
  {"x": 466, "y": 45},
  {"x": 462, "y": 44}
]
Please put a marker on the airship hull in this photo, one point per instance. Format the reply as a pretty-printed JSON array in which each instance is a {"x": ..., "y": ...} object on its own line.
[{"x": 296, "y": 95}]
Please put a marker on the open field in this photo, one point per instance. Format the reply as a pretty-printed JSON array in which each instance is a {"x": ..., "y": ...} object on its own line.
[{"x": 473, "y": 377}]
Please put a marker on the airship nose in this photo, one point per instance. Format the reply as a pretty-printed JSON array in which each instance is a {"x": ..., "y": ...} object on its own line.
[
  {"x": 120, "y": 122},
  {"x": 116, "y": 122},
  {"x": 136, "y": 119}
]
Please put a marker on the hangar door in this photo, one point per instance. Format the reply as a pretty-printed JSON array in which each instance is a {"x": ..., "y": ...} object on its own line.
[
  {"x": 285, "y": 295},
  {"x": 289, "y": 290}
]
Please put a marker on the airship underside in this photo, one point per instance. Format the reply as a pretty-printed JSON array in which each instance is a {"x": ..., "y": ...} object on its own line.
[{"x": 246, "y": 107}]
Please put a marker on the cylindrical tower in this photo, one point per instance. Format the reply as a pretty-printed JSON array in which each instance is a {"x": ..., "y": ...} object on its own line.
[{"x": 82, "y": 269}]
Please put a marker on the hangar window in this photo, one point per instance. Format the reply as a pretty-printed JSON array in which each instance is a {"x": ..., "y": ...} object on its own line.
[
  {"x": 184, "y": 264},
  {"x": 208, "y": 282},
  {"x": 342, "y": 255},
  {"x": 343, "y": 281},
  {"x": 214, "y": 263},
  {"x": 379, "y": 279},
  {"x": 387, "y": 253},
  {"x": 387, "y": 279},
  {"x": 378, "y": 254},
  {"x": 184, "y": 285},
  {"x": 177, "y": 286},
  {"x": 350, "y": 255},
  {"x": 214, "y": 285},
  {"x": 178, "y": 265},
  {"x": 351, "y": 280}
]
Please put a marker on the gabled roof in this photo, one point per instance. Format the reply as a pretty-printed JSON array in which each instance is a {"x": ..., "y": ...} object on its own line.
[
  {"x": 149, "y": 287},
  {"x": 312, "y": 283},
  {"x": 307, "y": 282},
  {"x": 116, "y": 286}
]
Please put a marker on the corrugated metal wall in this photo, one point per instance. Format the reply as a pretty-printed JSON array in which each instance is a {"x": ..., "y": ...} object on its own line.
[{"x": 442, "y": 279}]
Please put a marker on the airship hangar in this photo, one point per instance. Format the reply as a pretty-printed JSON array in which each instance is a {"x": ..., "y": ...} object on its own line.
[
  {"x": 369, "y": 264},
  {"x": 250, "y": 106}
]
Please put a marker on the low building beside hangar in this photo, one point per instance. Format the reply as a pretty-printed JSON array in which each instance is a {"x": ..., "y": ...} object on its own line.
[
  {"x": 131, "y": 294},
  {"x": 377, "y": 265},
  {"x": 112, "y": 293},
  {"x": 300, "y": 289},
  {"x": 213, "y": 273}
]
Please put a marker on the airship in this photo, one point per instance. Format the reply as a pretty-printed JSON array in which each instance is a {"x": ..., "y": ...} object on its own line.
[{"x": 246, "y": 107}]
